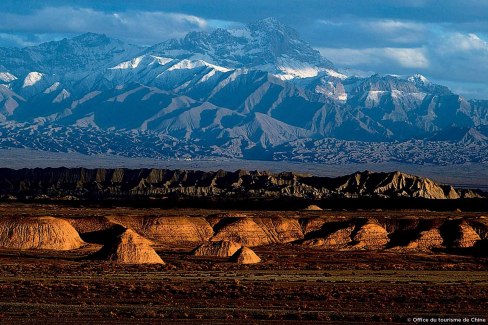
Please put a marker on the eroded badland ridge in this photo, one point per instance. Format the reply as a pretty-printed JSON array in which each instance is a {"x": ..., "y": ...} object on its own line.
[{"x": 80, "y": 183}]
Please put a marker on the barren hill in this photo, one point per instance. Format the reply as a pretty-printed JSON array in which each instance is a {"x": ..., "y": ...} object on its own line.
[
  {"x": 38, "y": 233},
  {"x": 129, "y": 248}
]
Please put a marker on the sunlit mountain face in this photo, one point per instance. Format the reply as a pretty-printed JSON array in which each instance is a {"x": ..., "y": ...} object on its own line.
[{"x": 255, "y": 92}]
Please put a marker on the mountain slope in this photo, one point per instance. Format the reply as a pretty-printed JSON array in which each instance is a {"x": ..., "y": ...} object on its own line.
[{"x": 254, "y": 91}]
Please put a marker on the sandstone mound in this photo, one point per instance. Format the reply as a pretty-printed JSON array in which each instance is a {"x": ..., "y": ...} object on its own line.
[
  {"x": 281, "y": 230},
  {"x": 244, "y": 231},
  {"x": 467, "y": 237},
  {"x": 171, "y": 230},
  {"x": 313, "y": 207},
  {"x": 258, "y": 231},
  {"x": 370, "y": 236},
  {"x": 223, "y": 248},
  {"x": 313, "y": 225},
  {"x": 129, "y": 248},
  {"x": 90, "y": 224},
  {"x": 245, "y": 255},
  {"x": 427, "y": 240},
  {"x": 336, "y": 240},
  {"x": 38, "y": 233}
]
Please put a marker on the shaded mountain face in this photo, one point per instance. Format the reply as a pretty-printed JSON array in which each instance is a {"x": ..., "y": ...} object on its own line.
[{"x": 249, "y": 92}]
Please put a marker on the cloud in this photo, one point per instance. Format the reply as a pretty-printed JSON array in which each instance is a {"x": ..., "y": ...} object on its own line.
[
  {"x": 460, "y": 57},
  {"x": 378, "y": 58},
  {"x": 134, "y": 26},
  {"x": 15, "y": 40},
  {"x": 456, "y": 59},
  {"x": 355, "y": 32},
  {"x": 27, "y": 39},
  {"x": 459, "y": 42}
]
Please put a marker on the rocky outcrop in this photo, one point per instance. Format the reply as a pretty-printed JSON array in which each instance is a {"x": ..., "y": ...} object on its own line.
[
  {"x": 352, "y": 234},
  {"x": 258, "y": 231},
  {"x": 170, "y": 230},
  {"x": 338, "y": 239},
  {"x": 90, "y": 224},
  {"x": 223, "y": 248},
  {"x": 38, "y": 233},
  {"x": 370, "y": 236},
  {"x": 245, "y": 255},
  {"x": 244, "y": 231},
  {"x": 467, "y": 236},
  {"x": 310, "y": 225},
  {"x": 280, "y": 230},
  {"x": 127, "y": 238},
  {"x": 98, "y": 184},
  {"x": 129, "y": 248},
  {"x": 313, "y": 207},
  {"x": 427, "y": 240}
]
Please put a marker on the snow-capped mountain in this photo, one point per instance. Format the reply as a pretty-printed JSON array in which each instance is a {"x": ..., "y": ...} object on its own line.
[
  {"x": 265, "y": 45},
  {"x": 67, "y": 58},
  {"x": 254, "y": 91}
]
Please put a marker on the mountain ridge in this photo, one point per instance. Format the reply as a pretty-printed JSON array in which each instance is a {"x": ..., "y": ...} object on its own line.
[{"x": 209, "y": 89}]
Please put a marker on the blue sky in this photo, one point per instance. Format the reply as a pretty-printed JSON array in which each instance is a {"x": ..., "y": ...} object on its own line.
[{"x": 446, "y": 40}]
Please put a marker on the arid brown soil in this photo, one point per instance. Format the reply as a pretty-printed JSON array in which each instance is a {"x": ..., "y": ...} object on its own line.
[{"x": 294, "y": 282}]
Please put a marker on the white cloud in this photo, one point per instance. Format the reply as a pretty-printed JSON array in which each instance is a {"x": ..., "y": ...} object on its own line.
[
  {"x": 14, "y": 40},
  {"x": 463, "y": 42},
  {"x": 459, "y": 57},
  {"x": 455, "y": 59},
  {"x": 375, "y": 32},
  {"x": 408, "y": 58},
  {"x": 377, "y": 57},
  {"x": 393, "y": 26},
  {"x": 136, "y": 26}
]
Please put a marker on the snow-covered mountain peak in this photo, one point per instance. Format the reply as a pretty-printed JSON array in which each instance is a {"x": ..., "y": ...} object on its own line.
[
  {"x": 32, "y": 78},
  {"x": 192, "y": 64},
  {"x": 131, "y": 64},
  {"x": 52, "y": 88},
  {"x": 75, "y": 57},
  {"x": 142, "y": 61},
  {"x": 419, "y": 79},
  {"x": 63, "y": 95},
  {"x": 7, "y": 77},
  {"x": 266, "y": 45}
]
